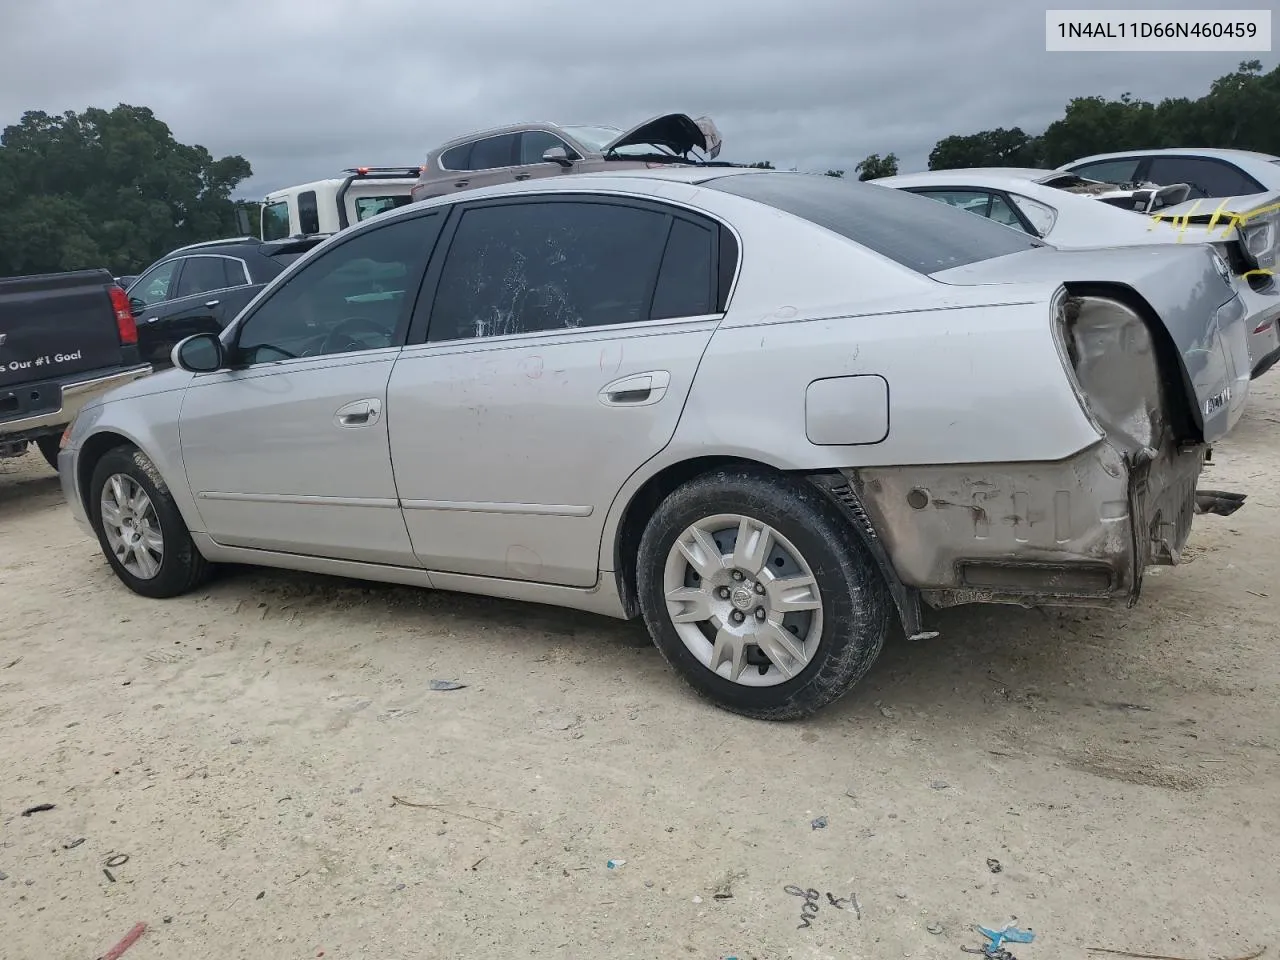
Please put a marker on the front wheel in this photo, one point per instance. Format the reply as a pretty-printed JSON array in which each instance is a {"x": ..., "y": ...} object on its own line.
[
  {"x": 141, "y": 531},
  {"x": 759, "y": 594}
]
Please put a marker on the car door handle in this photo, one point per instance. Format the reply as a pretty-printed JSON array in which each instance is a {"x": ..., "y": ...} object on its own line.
[
  {"x": 523, "y": 176},
  {"x": 152, "y": 319},
  {"x": 461, "y": 183},
  {"x": 637, "y": 390},
  {"x": 212, "y": 303},
  {"x": 358, "y": 413}
]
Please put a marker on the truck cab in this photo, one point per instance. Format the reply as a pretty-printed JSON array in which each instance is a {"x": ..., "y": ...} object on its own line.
[{"x": 327, "y": 206}]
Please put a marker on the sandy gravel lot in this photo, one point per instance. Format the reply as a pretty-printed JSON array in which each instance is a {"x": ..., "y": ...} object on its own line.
[{"x": 242, "y": 747}]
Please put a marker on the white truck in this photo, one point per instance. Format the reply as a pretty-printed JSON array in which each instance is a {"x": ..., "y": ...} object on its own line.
[{"x": 327, "y": 206}]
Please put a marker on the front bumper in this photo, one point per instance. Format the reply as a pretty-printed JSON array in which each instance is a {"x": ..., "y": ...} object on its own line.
[
  {"x": 1078, "y": 531},
  {"x": 68, "y": 468},
  {"x": 75, "y": 397}
]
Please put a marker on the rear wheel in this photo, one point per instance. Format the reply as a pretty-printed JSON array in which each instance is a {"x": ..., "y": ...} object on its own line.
[
  {"x": 49, "y": 447},
  {"x": 757, "y": 592},
  {"x": 142, "y": 533}
]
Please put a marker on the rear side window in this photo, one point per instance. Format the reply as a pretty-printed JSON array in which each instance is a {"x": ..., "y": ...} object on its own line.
[
  {"x": 367, "y": 207},
  {"x": 552, "y": 265},
  {"x": 686, "y": 282},
  {"x": 1206, "y": 177},
  {"x": 308, "y": 212},
  {"x": 921, "y": 234},
  {"x": 1123, "y": 170},
  {"x": 457, "y": 158},
  {"x": 494, "y": 152},
  {"x": 202, "y": 274}
]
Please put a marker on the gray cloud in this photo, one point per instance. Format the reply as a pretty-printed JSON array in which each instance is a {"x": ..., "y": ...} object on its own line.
[{"x": 304, "y": 88}]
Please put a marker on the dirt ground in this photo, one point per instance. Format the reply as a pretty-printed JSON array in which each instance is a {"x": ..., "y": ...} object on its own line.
[{"x": 243, "y": 747}]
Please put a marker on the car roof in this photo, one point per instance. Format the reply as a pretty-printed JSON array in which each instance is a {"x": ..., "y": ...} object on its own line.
[{"x": 1260, "y": 166}]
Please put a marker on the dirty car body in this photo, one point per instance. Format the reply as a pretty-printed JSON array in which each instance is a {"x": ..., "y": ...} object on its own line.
[
  {"x": 765, "y": 411},
  {"x": 528, "y": 151}
]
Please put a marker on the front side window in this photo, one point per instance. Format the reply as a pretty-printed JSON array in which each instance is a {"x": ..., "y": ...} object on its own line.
[
  {"x": 1124, "y": 170},
  {"x": 493, "y": 152},
  {"x": 155, "y": 285},
  {"x": 352, "y": 297},
  {"x": 367, "y": 207},
  {"x": 534, "y": 143},
  {"x": 275, "y": 220},
  {"x": 1205, "y": 176},
  {"x": 550, "y": 265}
]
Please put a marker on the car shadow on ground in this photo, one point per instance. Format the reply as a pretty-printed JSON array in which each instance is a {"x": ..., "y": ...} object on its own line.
[{"x": 978, "y": 648}]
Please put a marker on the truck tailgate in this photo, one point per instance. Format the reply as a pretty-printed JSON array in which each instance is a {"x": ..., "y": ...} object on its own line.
[{"x": 56, "y": 325}]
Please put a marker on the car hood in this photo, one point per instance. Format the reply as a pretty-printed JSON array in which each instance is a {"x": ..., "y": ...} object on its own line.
[
  {"x": 678, "y": 131},
  {"x": 1188, "y": 286}
]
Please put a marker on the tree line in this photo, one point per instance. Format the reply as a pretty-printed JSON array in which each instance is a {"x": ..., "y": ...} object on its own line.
[
  {"x": 1241, "y": 111},
  {"x": 114, "y": 188}
]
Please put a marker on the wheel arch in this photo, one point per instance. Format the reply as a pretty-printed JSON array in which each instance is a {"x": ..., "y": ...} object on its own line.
[
  {"x": 111, "y": 437},
  {"x": 834, "y": 486}
]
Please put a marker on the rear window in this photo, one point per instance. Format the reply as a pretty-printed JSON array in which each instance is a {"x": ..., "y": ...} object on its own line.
[{"x": 919, "y": 233}]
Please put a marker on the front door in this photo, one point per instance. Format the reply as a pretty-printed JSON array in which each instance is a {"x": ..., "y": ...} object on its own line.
[
  {"x": 562, "y": 337},
  {"x": 288, "y": 451}
]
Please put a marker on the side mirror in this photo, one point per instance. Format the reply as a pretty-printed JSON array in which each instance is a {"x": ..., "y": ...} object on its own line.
[
  {"x": 201, "y": 353},
  {"x": 136, "y": 305},
  {"x": 557, "y": 155}
]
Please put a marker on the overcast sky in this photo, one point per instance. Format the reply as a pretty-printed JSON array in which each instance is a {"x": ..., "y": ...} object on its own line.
[{"x": 304, "y": 88}]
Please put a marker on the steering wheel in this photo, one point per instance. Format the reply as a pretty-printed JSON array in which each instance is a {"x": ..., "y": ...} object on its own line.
[{"x": 346, "y": 335}]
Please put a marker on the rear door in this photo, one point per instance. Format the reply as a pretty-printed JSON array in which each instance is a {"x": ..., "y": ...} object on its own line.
[
  {"x": 551, "y": 352},
  {"x": 491, "y": 160}
]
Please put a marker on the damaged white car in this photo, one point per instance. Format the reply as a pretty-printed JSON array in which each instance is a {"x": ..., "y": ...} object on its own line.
[
  {"x": 1074, "y": 213},
  {"x": 768, "y": 412}
]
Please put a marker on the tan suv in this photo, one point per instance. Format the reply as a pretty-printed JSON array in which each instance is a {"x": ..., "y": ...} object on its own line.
[{"x": 526, "y": 150}]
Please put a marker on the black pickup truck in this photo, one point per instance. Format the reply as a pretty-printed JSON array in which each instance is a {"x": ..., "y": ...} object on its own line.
[{"x": 65, "y": 339}]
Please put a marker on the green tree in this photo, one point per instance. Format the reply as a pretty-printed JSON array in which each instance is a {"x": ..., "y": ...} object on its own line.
[
  {"x": 877, "y": 166},
  {"x": 761, "y": 165},
  {"x": 1238, "y": 111},
  {"x": 107, "y": 188},
  {"x": 835, "y": 173},
  {"x": 990, "y": 148}
]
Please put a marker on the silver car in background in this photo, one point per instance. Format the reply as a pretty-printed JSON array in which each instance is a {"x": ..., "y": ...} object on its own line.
[
  {"x": 770, "y": 413},
  {"x": 529, "y": 151}
]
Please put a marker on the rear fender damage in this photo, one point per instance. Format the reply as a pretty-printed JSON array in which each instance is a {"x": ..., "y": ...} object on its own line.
[{"x": 1077, "y": 531}]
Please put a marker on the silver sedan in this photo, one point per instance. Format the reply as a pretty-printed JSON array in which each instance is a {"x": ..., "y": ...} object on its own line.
[{"x": 770, "y": 413}]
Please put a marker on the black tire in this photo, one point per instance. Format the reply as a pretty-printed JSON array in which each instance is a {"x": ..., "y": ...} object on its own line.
[
  {"x": 49, "y": 446},
  {"x": 855, "y": 601},
  {"x": 182, "y": 568}
]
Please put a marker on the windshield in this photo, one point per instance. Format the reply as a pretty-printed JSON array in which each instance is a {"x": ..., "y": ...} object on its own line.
[
  {"x": 596, "y": 138},
  {"x": 921, "y": 234}
]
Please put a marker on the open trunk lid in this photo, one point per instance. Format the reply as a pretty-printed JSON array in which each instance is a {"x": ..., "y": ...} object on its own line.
[
  {"x": 678, "y": 132},
  {"x": 1190, "y": 290}
]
